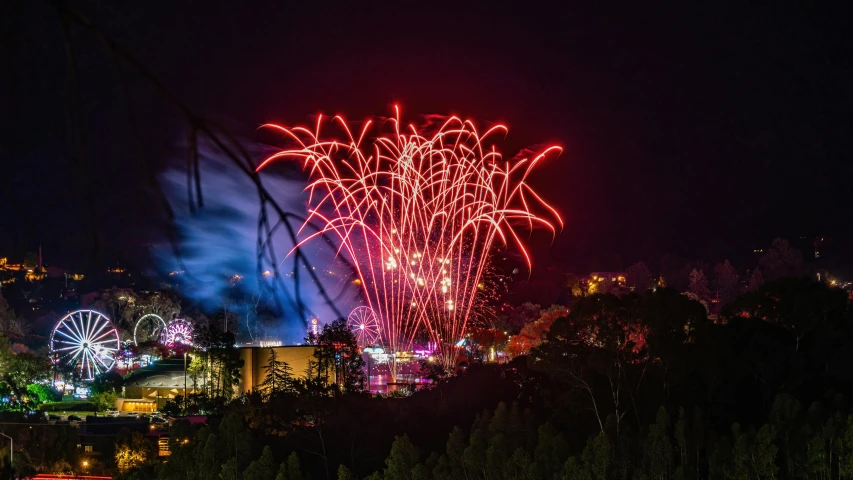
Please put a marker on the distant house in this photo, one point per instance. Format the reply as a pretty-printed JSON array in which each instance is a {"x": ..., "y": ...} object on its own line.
[
  {"x": 54, "y": 271},
  {"x": 604, "y": 282},
  {"x": 97, "y": 436}
]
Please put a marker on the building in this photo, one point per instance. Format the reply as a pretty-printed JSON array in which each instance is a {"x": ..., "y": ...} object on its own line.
[
  {"x": 97, "y": 437},
  {"x": 255, "y": 359},
  {"x": 603, "y": 282},
  {"x": 148, "y": 389}
]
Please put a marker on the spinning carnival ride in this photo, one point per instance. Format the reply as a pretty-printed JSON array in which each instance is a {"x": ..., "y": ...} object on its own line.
[
  {"x": 178, "y": 332},
  {"x": 364, "y": 325},
  {"x": 85, "y": 341},
  {"x": 148, "y": 328}
]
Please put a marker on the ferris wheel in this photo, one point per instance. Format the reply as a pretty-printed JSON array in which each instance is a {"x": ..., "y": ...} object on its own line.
[
  {"x": 364, "y": 325},
  {"x": 178, "y": 332},
  {"x": 149, "y": 327},
  {"x": 86, "y": 341}
]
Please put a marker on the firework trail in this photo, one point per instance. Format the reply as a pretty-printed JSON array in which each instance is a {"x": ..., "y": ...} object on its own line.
[{"x": 418, "y": 214}]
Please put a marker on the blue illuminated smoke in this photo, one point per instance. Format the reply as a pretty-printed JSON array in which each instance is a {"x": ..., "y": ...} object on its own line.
[{"x": 216, "y": 262}]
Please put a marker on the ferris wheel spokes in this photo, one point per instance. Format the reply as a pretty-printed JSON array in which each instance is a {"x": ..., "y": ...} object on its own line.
[
  {"x": 85, "y": 340},
  {"x": 149, "y": 327},
  {"x": 364, "y": 324}
]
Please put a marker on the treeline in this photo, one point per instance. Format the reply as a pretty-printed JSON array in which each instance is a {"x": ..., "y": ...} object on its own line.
[
  {"x": 794, "y": 442},
  {"x": 645, "y": 386},
  {"x": 713, "y": 284},
  {"x": 227, "y": 449},
  {"x": 622, "y": 387}
]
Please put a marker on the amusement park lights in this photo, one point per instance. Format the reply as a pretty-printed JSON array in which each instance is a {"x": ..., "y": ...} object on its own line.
[{"x": 418, "y": 212}]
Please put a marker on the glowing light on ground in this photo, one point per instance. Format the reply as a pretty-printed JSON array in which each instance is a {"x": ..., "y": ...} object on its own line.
[{"x": 418, "y": 212}]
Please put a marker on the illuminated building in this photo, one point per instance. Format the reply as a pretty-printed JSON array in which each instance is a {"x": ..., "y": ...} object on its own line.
[
  {"x": 256, "y": 359},
  {"x": 148, "y": 388},
  {"x": 603, "y": 282}
]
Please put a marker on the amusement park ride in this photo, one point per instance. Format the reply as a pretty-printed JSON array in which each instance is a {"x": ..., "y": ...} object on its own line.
[
  {"x": 86, "y": 343},
  {"x": 385, "y": 368}
]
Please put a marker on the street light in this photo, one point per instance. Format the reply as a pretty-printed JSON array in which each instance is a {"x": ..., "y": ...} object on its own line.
[{"x": 11, "y": 448}]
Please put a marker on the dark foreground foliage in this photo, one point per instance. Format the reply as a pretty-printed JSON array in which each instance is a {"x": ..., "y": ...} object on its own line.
[{"x": 638, "y": 386}]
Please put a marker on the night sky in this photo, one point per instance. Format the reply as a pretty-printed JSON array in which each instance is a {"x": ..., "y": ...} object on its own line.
[{"x": 704, "y": 131}]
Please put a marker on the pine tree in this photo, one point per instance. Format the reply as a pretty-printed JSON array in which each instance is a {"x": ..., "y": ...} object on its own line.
[
  {"x": 290, "y": 469},
  {"x": 499, "y": 420},
  {"x": 698, "y": 436},
  {"x": 680, "y": 434},
  {"x": 782, "y": 260},
  {"x": 279, "y": 376},
  {"x": 474, "y": 456},
  {"x": 551, "y": 451},
  {"x": 756, "y": 280},
  {"x": 741, "y": 461},
  {"x": 455, "y": 446},
  {"x": 699, "y": 284},
  {"x": 420, "y": 472},
  {"x": 209, "y": 465},
  {"x": 658, "y": 452},
  {"x": 639, "y": 277},
  {"x": 442, "y": 469},
  {"x": 229, "y": 469},
  {"x": 263, "y": 468},
  {"x": 496, "y": 455},
  {"x": 763, "y": 453},
  {"x": 344, "y": 473},
  {"x": 401, "y": 460},
  {"x": 845, "y": 459},
  {"x": 337, "y": 354},
  {"x": 519, "y": 465},
  {"x": 727, "y": 282},
  {"x": 598, "y": 456},
  {"x": 575, "y": 470}
]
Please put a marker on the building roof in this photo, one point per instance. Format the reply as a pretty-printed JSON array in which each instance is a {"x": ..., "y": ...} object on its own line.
[{"x": 165, "y": 373}]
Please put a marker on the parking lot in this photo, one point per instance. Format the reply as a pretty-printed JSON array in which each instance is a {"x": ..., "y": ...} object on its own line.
[{"x": 76, "y": 418}]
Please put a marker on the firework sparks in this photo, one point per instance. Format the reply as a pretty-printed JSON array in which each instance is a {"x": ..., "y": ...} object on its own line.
[{"x": 418, "y": 214}]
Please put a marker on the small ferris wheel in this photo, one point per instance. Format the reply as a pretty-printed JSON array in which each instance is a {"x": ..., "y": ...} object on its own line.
[
  {"x": 364, "y": 325},
  {"x": 149, "y": 327},
  {"x": 178, "y": 332}
]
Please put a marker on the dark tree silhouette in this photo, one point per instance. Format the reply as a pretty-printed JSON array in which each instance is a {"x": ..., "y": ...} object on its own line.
[
  {"x": 639, "y": 277},
  {"x": 279, "y": 376},
  {"x": 699, "y": 285},
  {"x": 337, "y": 354},
  {"x": 727, "y": 281},
  {"x": 782, "y": 260}
]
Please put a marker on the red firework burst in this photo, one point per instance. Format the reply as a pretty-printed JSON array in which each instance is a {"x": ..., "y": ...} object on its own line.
[{"x": 418, "y": 214}]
